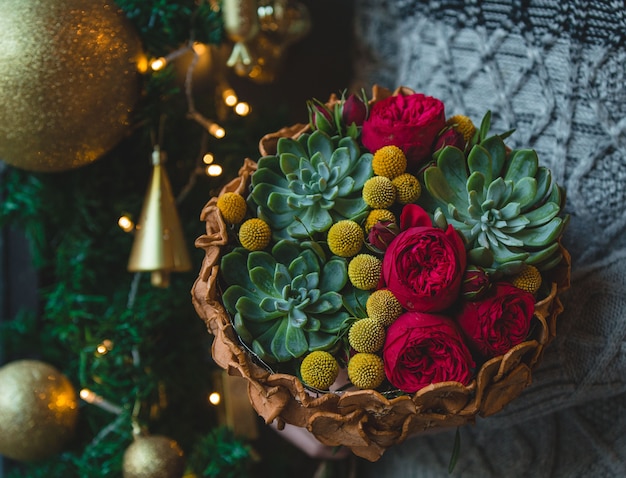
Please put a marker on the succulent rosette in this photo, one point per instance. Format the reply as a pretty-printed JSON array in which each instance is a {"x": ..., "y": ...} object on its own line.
[
  {"x": 310, "y": 184},
  {"x": 286, "y": 302},
  {"x": 384, "y": 269}
]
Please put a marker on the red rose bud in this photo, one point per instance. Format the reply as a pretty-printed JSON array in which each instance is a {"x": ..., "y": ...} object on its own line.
[
  {"x": 320, "y": 117},
  {"x": 450, "y": 137},
  {"x": 421, "y": 349},
  {"x": 410, "y": 122},
  {"x": 354, "y": 111},
  {"x": 475, "y": 283},
  {"x": 498, "y": 321},
  {"x": 382, "y": 233}
]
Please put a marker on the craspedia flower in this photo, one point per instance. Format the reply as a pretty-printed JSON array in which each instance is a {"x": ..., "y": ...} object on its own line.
[
  {"x": 345, "y": 238},
  {"x": 366, "y": 370},
  {"x": 232, "y": 206},
  {"x": 364, "y": 271},
  {"x": 389, "y": 161},
  {"x": 255, "y": 234},
  {"x": 319, "y": 369},
  {"x": 408, "y": 188},
  {"x": 529, "y": 279},
  {"x": 366, "y": 335},
  {"x": 383, "y": 307},
  {"x": 379, "y": 192},
  {"x": 376, "y": 215},
  {"x": 463, "y": 125}
]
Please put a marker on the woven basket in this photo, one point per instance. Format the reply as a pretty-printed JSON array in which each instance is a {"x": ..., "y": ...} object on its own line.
[{"x": 363, "y": 420}]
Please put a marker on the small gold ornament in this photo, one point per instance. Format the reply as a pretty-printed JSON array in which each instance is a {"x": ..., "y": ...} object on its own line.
[
  {"x": 69, "y": 78},
  {"x": 153, "y": 456},
  {"x": 38, "y": 410}
]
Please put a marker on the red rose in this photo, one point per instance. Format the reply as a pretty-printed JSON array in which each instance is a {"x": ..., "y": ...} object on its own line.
[
  {"x": 499, "y": 321},
  {"x": 421, "y": 349},
  {"x": 410, "y": 122},
  {"x": 423, "y": 266}
]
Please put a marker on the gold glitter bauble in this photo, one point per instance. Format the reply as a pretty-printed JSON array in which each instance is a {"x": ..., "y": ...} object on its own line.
[
  {"x": 38, "y": 410},
  {"x": 69, "y": 79},
  {"x": 153, "y": 456}
]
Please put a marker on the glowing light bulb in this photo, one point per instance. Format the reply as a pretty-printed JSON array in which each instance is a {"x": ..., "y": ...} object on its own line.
[
  {"x": 105, "y": 347},
  {"x": 215, "y": 398},
  {"x": 217, "y": 131},
  {"x": 125, "y": 223},
  {"x": 158, "y": 64},
  {"x": 229, "y": 96},
  {"x": 208, "y": 158},
  {"x": 87, "y": 395},
  {"x": 213, "y": 170},
  {"x": 242, "y": 109},
  {"x": 199, "y": 48}
]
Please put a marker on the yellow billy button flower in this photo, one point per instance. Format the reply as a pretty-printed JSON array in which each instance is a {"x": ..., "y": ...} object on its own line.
[
  {"x": 366, "y": 335},
  {"x": 376, "y": 215},
  {"x": 366, "y": 370},
  {"x": 364, "y": 271},
  {"x": 255, "y": 234},
  {"x": 379, "y": 192},
  {"x": 389, "y": 161},
  {"x": 345, "y": 238},
  {"x": 319, "y": 369},
  {"x": 463, "y": 125},
  {"x": 383, "y": 307},
  {"x": 529, "y": 279},
  {"x": 232, "y": 206},
  {"x": 408, "y": 188}
]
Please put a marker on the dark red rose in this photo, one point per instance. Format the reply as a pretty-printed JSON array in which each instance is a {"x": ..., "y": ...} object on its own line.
[
  {"x": 421, "y": 349},
  {"x": 475, "y": 283},
  {"x": 381, "y": 234},
  {"x": 499, "y": 321},
  {"x": 424, "y": 265},
  {"x": 354, "y": 110},
  {"x": 410, "y": 122},
  {"x": 450, "y": 137}
]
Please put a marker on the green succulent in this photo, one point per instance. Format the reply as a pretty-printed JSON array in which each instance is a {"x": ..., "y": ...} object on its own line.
[
  {"x": 310, "y": 183},
  {"x": 289, "y": 302},
  {"x": 506, "y": 206}
]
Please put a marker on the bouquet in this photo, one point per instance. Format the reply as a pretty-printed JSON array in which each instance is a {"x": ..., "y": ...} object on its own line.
[{"x": 383, "y": 269}]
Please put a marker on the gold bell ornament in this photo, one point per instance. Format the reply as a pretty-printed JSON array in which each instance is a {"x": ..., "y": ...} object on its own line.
[{"x": 159, "y": 246}]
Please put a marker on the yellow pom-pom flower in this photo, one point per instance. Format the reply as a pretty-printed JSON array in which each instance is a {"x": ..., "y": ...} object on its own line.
[
  {"x": 389, "y": 161},
  {"x": 345, "y": 238},
  {"x": 383, "y": 307},
  {"x": 364, "y": 271},
  {"x": 319, "y": 369},
  {"x": 255, "y": 234},
  {"x": 463, "y": 125},
  {"x": 408, "y": 188},
  {"x": 366, "y": 335},
  {"x": 376, "y": 215},
  {"x": 366, "y": 371},
  {"x": 232, "y": 206},
  {"x": 379, "y": 192},
  {"x": 529, "y": 279}
]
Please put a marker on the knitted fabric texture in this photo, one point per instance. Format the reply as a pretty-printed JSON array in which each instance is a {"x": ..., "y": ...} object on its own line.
[{"x": 554, "y": 71}]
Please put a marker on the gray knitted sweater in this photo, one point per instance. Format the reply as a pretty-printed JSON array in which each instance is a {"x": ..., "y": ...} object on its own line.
[{"x": 556, "y": 72}]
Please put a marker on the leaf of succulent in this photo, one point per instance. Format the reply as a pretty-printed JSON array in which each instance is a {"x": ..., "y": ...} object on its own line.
[
  {"x": 501, "y": 202},
  {"x": 287, "y": 302},
  {"x": 310, "y": 184}
]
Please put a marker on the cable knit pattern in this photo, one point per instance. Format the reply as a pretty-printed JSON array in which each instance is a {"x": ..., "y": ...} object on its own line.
[{"x": 556, "y": 72}]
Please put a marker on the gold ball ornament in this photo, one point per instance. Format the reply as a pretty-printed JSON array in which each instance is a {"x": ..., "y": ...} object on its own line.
[
  {"x": 69, "y": 79},
  {"x": 153, "y": 456},
  {"x": 38, "y": 410}
]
